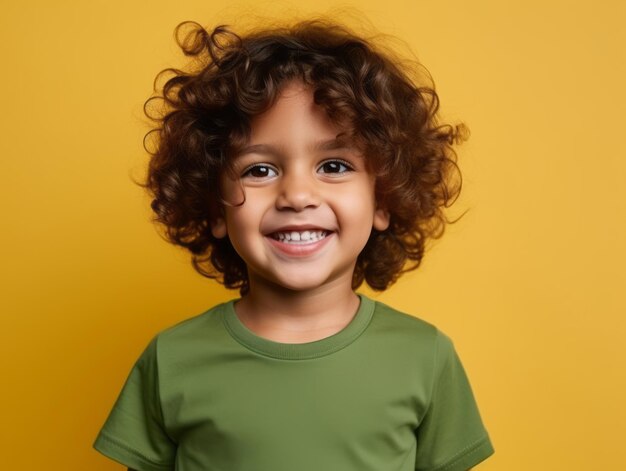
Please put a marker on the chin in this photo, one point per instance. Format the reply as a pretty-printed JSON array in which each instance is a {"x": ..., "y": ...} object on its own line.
[
  {"x": 301, "y": 284},
  {"x": 299, "y": 279},
  {"x": 300, "y": 287}
]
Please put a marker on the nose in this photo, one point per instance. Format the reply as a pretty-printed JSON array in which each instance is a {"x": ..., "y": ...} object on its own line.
[{"x": 297, "y": 192}]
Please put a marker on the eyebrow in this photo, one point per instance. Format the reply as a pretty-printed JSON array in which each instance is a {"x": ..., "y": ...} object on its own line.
[{"x": 326, "y": 145}]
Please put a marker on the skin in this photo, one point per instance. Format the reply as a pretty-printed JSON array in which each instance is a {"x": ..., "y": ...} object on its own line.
[{"x": 297, "y": 174}]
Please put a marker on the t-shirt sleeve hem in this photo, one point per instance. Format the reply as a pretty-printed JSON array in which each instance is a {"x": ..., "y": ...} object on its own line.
[
  {"x": 470, "y": 456},
  {"x": 127, "y": 456}
]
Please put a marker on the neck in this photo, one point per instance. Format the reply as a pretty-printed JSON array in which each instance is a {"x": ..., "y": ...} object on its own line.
[{"x": 270, "y": 306}]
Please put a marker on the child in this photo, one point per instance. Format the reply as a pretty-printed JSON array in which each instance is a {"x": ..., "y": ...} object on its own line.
[{"x": 295, "y": 163}]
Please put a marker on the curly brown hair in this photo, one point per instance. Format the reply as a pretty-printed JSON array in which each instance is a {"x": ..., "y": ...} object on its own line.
[{"x": 204, "y": 118}]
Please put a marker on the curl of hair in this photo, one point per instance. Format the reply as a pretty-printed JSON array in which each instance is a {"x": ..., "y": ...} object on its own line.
[{"x": 205, "y": 116}]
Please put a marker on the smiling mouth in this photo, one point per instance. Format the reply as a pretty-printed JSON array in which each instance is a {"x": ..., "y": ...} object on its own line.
[{"x": 299, "y": 237}]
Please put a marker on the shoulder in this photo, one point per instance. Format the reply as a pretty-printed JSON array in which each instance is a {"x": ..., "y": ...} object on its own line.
[
  {"x": 411, "y": 329},
  {"x": 187, "y": 335},
  {"x": 388, "y": 317},
  {"x": 396, "y": 316},
  {"x": 192, "y": 324}
]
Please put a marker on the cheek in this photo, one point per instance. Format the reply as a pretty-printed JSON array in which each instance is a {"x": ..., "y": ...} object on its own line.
[
  {"x": 360, "y": 201},
  {"x": 239, "y": 229},
  {"x": 232, "y": 192},
  {"x": 357, "y": 211},
  {"x": 244, "y": 222},
  {"x": 239, "y": 221}
]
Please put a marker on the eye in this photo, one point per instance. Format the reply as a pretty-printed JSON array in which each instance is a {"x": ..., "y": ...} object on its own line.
[
  {"x": 259, "y": 171},
  {"x": 335, "y": 167}
]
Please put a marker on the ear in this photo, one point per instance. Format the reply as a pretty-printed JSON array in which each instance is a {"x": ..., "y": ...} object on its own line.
[
  {"x": 218, "y": 227},
  {"x": 381, "y": 219}
]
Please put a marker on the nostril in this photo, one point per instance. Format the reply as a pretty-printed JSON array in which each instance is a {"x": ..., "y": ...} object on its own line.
[{"x": 298, "y": 197}]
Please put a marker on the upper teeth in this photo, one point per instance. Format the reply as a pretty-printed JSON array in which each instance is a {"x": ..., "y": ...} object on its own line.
[{"x": 302, "y": 236}]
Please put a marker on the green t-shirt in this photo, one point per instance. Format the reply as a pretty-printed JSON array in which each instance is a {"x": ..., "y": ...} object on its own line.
[{"x": 386, "y": 393}]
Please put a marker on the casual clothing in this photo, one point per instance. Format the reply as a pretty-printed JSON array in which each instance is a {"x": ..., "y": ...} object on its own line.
[{"x": 386, "y": 393}]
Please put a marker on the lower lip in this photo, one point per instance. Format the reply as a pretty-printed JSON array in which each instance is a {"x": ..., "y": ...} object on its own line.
[{"x": 300, "y": 249}]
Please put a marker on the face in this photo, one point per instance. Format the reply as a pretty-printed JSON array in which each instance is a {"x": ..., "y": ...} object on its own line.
[{"x": 309, "y": 201}]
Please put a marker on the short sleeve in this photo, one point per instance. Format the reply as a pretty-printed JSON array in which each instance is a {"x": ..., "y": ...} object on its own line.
[
  {"x": 451, "y": 436},
  {"x": 134, "y": 433}
]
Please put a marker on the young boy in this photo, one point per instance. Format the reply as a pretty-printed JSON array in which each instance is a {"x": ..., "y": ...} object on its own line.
[{"x": 295, "y": 164}]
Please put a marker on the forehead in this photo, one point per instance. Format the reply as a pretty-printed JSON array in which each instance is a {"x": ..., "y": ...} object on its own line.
[{"x": 295, "y": 117}]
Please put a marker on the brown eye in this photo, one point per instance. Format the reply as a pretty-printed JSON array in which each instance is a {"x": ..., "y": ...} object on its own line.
[
  {"x": 260, "y": 171},
  {"x": 334, "y": 167}
]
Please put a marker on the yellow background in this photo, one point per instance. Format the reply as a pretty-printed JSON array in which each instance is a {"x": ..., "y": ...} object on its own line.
[{"x": 529, "y": 284}]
